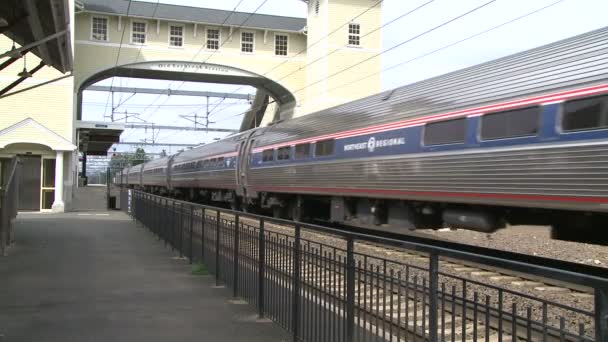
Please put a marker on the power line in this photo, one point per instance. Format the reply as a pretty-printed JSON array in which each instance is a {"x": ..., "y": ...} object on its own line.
[
  {"x": 195, "y": 55},
  {"x": 381, "y": 52},
  {"x": 433, "y": 51},
  {"x": 118, "y": 54},
  {"x": 365, "y": 35},
  {"x": 307, "y": 47}
]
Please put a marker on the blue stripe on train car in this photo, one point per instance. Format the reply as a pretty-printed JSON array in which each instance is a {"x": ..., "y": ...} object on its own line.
[{"x": 409, "y": 141}]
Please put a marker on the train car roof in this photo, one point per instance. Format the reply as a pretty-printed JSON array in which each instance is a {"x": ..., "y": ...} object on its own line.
[{"x": 561, "y": 65}]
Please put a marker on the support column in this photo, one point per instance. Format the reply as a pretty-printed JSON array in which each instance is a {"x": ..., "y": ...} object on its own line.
[{"x": 58, "y": 205}]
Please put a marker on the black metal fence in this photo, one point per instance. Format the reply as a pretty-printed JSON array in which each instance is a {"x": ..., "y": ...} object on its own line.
[
  {"x": 9, "y": 203},
  {"x": 323, "y": 284}
]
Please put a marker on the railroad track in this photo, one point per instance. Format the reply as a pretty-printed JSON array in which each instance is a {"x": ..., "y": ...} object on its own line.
[
  {"x": 496, "y": 275},
  {"x": 395, "y": 310}
]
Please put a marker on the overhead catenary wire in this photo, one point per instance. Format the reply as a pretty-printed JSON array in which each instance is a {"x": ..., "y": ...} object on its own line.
[
  {"x": 382, "y": 52},
  {"x": 444, "y": 47},
  {"x": 118, "y": 56},
  {"x": 309, "y": 46},
  {"x": 193, "y": 58},
  {"x": 415, "y": 9}
]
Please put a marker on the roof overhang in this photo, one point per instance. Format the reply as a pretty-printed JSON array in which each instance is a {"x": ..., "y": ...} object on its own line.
[
  {"x": 32, "y": 22},
  {"x": 96, "y": 138}
]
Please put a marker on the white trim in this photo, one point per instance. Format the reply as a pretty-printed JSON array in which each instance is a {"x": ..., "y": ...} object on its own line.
[
  {"x": 274, "y": 47},
  {"x": 93, "y": 17},
  {"x": 252, "y": 43},
  {"x": 61, "y": 145},
  {"x": 219, "y": 39},
  {"x": 183, "y": 26},
  {"x": 134, "y": 21},
  {"x": 162, "y": 48},
  {"x": 195, "y": 22}
]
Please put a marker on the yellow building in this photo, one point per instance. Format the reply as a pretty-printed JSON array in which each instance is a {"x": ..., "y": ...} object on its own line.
[
  {"x": 35, "y": 117},
  {"x": 305, "y": 64},
  {"x": 314, "y": 58}
]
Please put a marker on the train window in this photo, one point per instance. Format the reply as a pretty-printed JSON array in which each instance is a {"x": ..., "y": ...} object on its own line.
[
  {"x": 199, "y": 164},
  {"x": 324, "y": 148},
  {"x": 510, "y": 124},
  {"x": 213, "y": 162},
  {"x": 586, "y": 114},
  {"x": 283, "y": 153},
  {"x": 268, "y": 155},
  {"x": 445, "y": 132},
  {"x": 302, "y": 151},
  {"x": 220, "y": 162}
]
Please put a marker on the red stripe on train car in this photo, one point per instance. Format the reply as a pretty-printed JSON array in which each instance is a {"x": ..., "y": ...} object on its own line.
[{"x": 555, "y": 97}]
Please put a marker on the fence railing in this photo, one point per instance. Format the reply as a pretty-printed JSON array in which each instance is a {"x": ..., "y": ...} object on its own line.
[
  {"x": 323, "y": 284},
  {"x": 9, "y": 203}
]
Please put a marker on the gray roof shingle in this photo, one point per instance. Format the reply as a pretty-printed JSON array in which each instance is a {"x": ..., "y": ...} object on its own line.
[{"x": 195, "y": 14}]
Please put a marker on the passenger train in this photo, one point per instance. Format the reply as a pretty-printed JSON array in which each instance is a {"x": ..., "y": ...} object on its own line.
[{"x": 518, "y": 140}]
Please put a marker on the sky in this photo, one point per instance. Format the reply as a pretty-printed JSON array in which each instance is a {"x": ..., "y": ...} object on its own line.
[{"x": 564, "y": 19}]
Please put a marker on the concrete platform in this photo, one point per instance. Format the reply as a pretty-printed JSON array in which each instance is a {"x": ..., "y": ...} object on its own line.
[
  {"x": 90, "y": 198},
  {"x": 97, "y": 277}
]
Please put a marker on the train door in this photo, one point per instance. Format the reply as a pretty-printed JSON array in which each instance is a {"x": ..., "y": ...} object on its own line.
[{"x": 242, "y": 165}]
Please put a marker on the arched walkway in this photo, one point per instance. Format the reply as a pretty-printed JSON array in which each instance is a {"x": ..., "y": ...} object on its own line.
[{"x": 193, "y": 72}]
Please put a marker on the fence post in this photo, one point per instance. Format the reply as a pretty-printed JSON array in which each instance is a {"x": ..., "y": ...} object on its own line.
[
  {"x": 235, "y": 273},
  {"x": 295, "y": 313},
  {"x": 191, "y": 230},
  {"x": 173, "y": 215},
  {"x": 433, "y": 292},
  {"x": 165, "y": 218},
  {"x": 217, "y": 248},
  {"x": 350, "y": 289},
  {"x": 181, "y": 230},
  {"x": 203, "y": 235},
  {"x": 601, "y": 314},
  {"x": 261, "y": 268}
]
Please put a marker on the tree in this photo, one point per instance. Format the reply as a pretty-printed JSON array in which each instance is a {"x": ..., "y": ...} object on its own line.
[{"x": 120, "y": 161}]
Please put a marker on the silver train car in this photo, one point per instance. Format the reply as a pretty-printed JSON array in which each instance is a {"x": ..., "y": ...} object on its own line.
[{"x": 519, "y": 140}]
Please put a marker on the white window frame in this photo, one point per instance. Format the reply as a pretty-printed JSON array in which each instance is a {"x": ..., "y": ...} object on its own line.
[
  {"x": 252, "y": 43},
  {"x": 274, "y": 52},
  {"x": 357, "y": 35},
  {"x": 183, "y": 26},
  {"x": 93, "y": 17},
  {"x": 219, "y": 38},
  {"x": 145, "y": 31}
]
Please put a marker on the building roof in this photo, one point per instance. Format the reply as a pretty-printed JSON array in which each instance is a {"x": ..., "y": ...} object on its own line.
[
  {"x": 194, "y": 14},
  {"x": 33, "y": 24}
]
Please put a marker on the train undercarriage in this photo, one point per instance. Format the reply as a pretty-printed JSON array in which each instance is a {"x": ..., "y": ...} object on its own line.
[{"x": 401, "y": 216}]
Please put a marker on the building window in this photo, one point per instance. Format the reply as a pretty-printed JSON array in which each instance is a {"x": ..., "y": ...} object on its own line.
[
  {"x": 302, "y": 151},
  {"x": 99, "y": 29},
  {"x": 176, "y": 35},
  {"x": 213, "y": 39},
  {"x": 280, "y": 44},
  {"x": 138, "y": 32},
  {"x": 585, "y": 114},
  {"x": 445, "y": 132},
  {"x": 354, "y": 34},
  {"x": 324, "y": 148},
  {"x": 268, "y": 155},
  {"x": 247, "y": 42},
  {"x": 510, "y": 124},
  {"x": 284, "y": 153}
]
